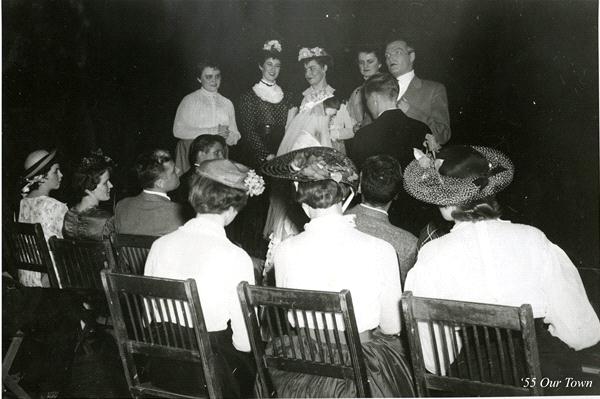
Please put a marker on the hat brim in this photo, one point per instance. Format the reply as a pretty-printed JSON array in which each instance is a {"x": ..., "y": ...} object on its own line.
[
  {"x": 294, "y": 165},
  {"x": 427, "y": 185},
  {"x": 36, "y": 168}
]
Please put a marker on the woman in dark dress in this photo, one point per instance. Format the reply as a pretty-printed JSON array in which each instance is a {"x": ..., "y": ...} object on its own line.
[
  {"x": 262, "y": 115},
  {"x": 91, "y": 182}
]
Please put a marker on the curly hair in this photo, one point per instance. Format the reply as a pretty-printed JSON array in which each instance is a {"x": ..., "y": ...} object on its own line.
[
  {"x": 209, "y": 196},
  {"x": 88, "y": 172},
  {"x": 381, "y": 179},
  {"x": 321, "y": 194}
]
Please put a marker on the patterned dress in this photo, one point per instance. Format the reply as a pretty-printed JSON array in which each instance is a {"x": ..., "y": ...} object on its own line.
[{"x": 50, "y": 213}]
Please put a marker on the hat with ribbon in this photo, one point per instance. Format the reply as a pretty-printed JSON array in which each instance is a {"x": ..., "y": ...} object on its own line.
[
  {"x": 232, "y": 174},
  {"x": 313, "y": 164},
  {"x": 457, "y": 174},
  {"x": 37, "y": 165}
]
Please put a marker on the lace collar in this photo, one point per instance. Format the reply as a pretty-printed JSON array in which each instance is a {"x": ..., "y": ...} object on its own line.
[
  {"x": 271, "y": 94},
  {"x": 314, "y": 97}
]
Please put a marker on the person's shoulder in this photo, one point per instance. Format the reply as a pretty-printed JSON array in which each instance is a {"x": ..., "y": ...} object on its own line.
[
  {"x": 401, "y": 235},
  {"x": 518, "y": 231},
  {"x": 431, "y": 84}
]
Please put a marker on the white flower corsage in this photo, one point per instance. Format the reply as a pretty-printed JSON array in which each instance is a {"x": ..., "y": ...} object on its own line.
[
  {"x": 272, "y": 45},
  {"x": 254, "y": 183},
  {"x": 36, "y": 179}
]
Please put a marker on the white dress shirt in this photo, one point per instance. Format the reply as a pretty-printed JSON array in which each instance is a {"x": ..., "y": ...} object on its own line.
[
  {"x": 503, "y": 263},
  {"x": 331, "y": 255},
  {"x": 200, "y": 250},
  {"x": 201, "y": 112},
  {"x": 403, "y": 82}
]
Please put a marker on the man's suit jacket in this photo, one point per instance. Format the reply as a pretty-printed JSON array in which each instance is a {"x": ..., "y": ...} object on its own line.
[
  {"x": 147, "y": 214},
  {"x": 392, "y": 133},
  {"x": 428, "y": 103}
]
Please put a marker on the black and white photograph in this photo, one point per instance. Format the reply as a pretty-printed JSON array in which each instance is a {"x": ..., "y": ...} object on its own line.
[{"x": 300, "y": 198}]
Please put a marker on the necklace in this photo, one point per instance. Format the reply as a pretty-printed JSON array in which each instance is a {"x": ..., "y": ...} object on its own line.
[{"x": 267, "y": 84}]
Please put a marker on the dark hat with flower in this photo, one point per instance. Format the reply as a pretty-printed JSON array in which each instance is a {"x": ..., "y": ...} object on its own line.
[
  {"x": 313, "y": 164},
  {"x": 457, "y": 174},
  {"x": 232, "y": 174}
]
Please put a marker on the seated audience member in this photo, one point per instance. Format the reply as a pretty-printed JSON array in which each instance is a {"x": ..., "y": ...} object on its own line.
[
  {"x": 488, "y": 260},
  {"x": 42, "y": 176},
  {"x": 420, "y": 99},
  {"x": 200, "y": 250},
  {"x": 151, "y": 212},
  {"x": 331, "y": 255},
  {"x": 203, "y": 148},
  {"x": 91, "y": 182},
  {"x": 380, "y": 182}
]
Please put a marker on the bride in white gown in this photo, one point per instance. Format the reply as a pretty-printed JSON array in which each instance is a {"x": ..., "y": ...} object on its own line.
[{"x": 321, "y": 121}]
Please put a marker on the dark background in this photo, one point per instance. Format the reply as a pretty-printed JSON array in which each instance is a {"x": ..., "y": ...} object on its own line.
[{"x": 521, "y": 76}]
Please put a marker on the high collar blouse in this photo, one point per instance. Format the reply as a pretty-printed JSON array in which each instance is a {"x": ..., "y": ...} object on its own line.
[
  {"x": 332, "y": 255},
  {"x": 200, "y": 250}
]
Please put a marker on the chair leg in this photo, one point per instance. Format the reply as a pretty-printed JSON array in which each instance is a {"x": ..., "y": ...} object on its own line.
[{"x": 11, "y": 382}]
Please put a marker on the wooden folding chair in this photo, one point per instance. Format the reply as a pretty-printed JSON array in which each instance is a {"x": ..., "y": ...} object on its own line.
[
  {"x": 293, "y": 315},
  {"x": 142, "y": 305},
  {"x": 476, "y": 349},
  {"x": 131, "y": 252},
  {"x": 28, "y": 250}
]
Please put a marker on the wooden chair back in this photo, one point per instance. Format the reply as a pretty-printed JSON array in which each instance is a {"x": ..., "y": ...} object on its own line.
[
  {"x": 78, "y": 263},
  {"x": 27, "y": 249},
  {"x": 477, "y": 349},
  {"x": 139, "y": 303},
  {"x": 291, "y": 315},
  {"x": 131, "y": 252}
]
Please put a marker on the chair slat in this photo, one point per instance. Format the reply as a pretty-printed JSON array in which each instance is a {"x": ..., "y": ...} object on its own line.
[
  {"x": 500, "y": 345},
  {"x": 327, "y": 337},
  {"x": 308, "y": 334},
  {"x": 299, "y": 334},
  {"x": 478, "y": 356},
  {"x": 435, "y": 347},
  {"x": 512, "y": 356}
]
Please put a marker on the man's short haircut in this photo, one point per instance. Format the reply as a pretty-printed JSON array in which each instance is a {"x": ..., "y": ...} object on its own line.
[
  {"x": 381, "y": 179},
  {"x": 203, "y": 143},
  {"x": 150, "y": 165},
  {"x": 210, "y": 196},
  {"x": 401, "y": 37},
  {"x": 320, "y": 194},
  {"x": 332, "y": 102},
  {"x": 381, "y": 83}
]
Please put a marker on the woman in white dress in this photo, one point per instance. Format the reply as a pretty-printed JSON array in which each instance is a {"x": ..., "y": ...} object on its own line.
[
  {"x": 204, "y": 111},
  {"x": 42, "y": 176}
]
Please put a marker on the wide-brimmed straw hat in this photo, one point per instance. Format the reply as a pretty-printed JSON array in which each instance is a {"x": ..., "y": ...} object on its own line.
[
  {"x": 313, "y": 164},
  {"x": 38, "y": 162},
  {"x": 426, "y": 183},
  {"x": 232, "y": 174}
]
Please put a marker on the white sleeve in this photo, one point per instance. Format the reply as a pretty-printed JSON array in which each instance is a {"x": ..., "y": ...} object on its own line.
[
  {"x": 391, "y": 291},
  {"x": 234, "y": 134},
  {"x": 238, "y": 325}
]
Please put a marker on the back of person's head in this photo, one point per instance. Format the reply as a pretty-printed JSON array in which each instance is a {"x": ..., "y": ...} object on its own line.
[
  {"x": 332, "y": 102},
  {"x": 320, "y": 194},
  {"x": 204, "y": 143},
  {"x": 383, "y": 84},
  {"x": 88, "y": 172},
  {"x": 150, "y": 165},
  {"x": 381, "y": 179},
  {"x": 210, "y": 196}
]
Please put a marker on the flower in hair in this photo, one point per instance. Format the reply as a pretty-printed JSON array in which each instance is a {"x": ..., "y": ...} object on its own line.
[
  {"x": 254, "y": 183},
  {"x": 31, "y": 181},
  {"x": 309, "y": 53},
  {"x": 272, "y": 45}
]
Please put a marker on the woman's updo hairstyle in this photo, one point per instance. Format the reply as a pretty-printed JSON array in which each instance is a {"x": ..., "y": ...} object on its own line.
[
  {"x": 321, "y": 194},
  {"x": 465, "y": 161},
  {"x": 210, "y": 196},
  {"x": 88, "y": 172}
]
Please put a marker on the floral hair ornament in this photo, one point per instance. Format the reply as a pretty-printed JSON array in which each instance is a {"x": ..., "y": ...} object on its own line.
[
  {"x": 272, "y": 45},
  {"x": 31, "y": 181},
  {"x": 305, "y": 53},
  {"x": 95, "y": 157},
  {"x": 313, "y": 164},
  {"x": 233, "y": 174}
]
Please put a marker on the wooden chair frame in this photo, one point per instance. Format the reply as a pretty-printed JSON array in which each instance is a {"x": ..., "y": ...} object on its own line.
[
  {"x": 131, "y": 252},
  {"x": 253, "y": 297},
  {"x": 28, "y": 250},
  {"x": 457, "y": 314},
  {"x": 115, "y": 286}
]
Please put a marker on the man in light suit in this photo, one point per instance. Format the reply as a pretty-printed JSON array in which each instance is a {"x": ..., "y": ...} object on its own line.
[
  {"x": 423, "y": 100},
  {"x": 151, "y": 212}
]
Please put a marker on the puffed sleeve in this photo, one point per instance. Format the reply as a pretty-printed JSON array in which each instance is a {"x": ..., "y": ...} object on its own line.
[
  {"x": 569, "y": 313},
  {"x": 248, "y": 124},
  {"x": 245, "y": 272},
  {"x": 184, "y": 126},
  {"x": 234, "y": 133}
]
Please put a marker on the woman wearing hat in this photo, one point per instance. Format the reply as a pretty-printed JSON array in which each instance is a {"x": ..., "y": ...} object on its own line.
[
  {"x": 91, "y": 183},
  {"x": 489, "y": 260},
  {"x": 331, "y": 255},
  {"x": 42, "y": 176},
  {"x": 200, "y": 250}
]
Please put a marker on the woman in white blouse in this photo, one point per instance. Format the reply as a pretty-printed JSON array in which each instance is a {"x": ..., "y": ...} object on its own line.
[
  {"x": 332, "y": 255},
  {"x": 488, "y": 260},
  {"x": 204, "y": 111},
  {"x": 200, "y": 250},
  {"x": 42, "y": 176}
]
